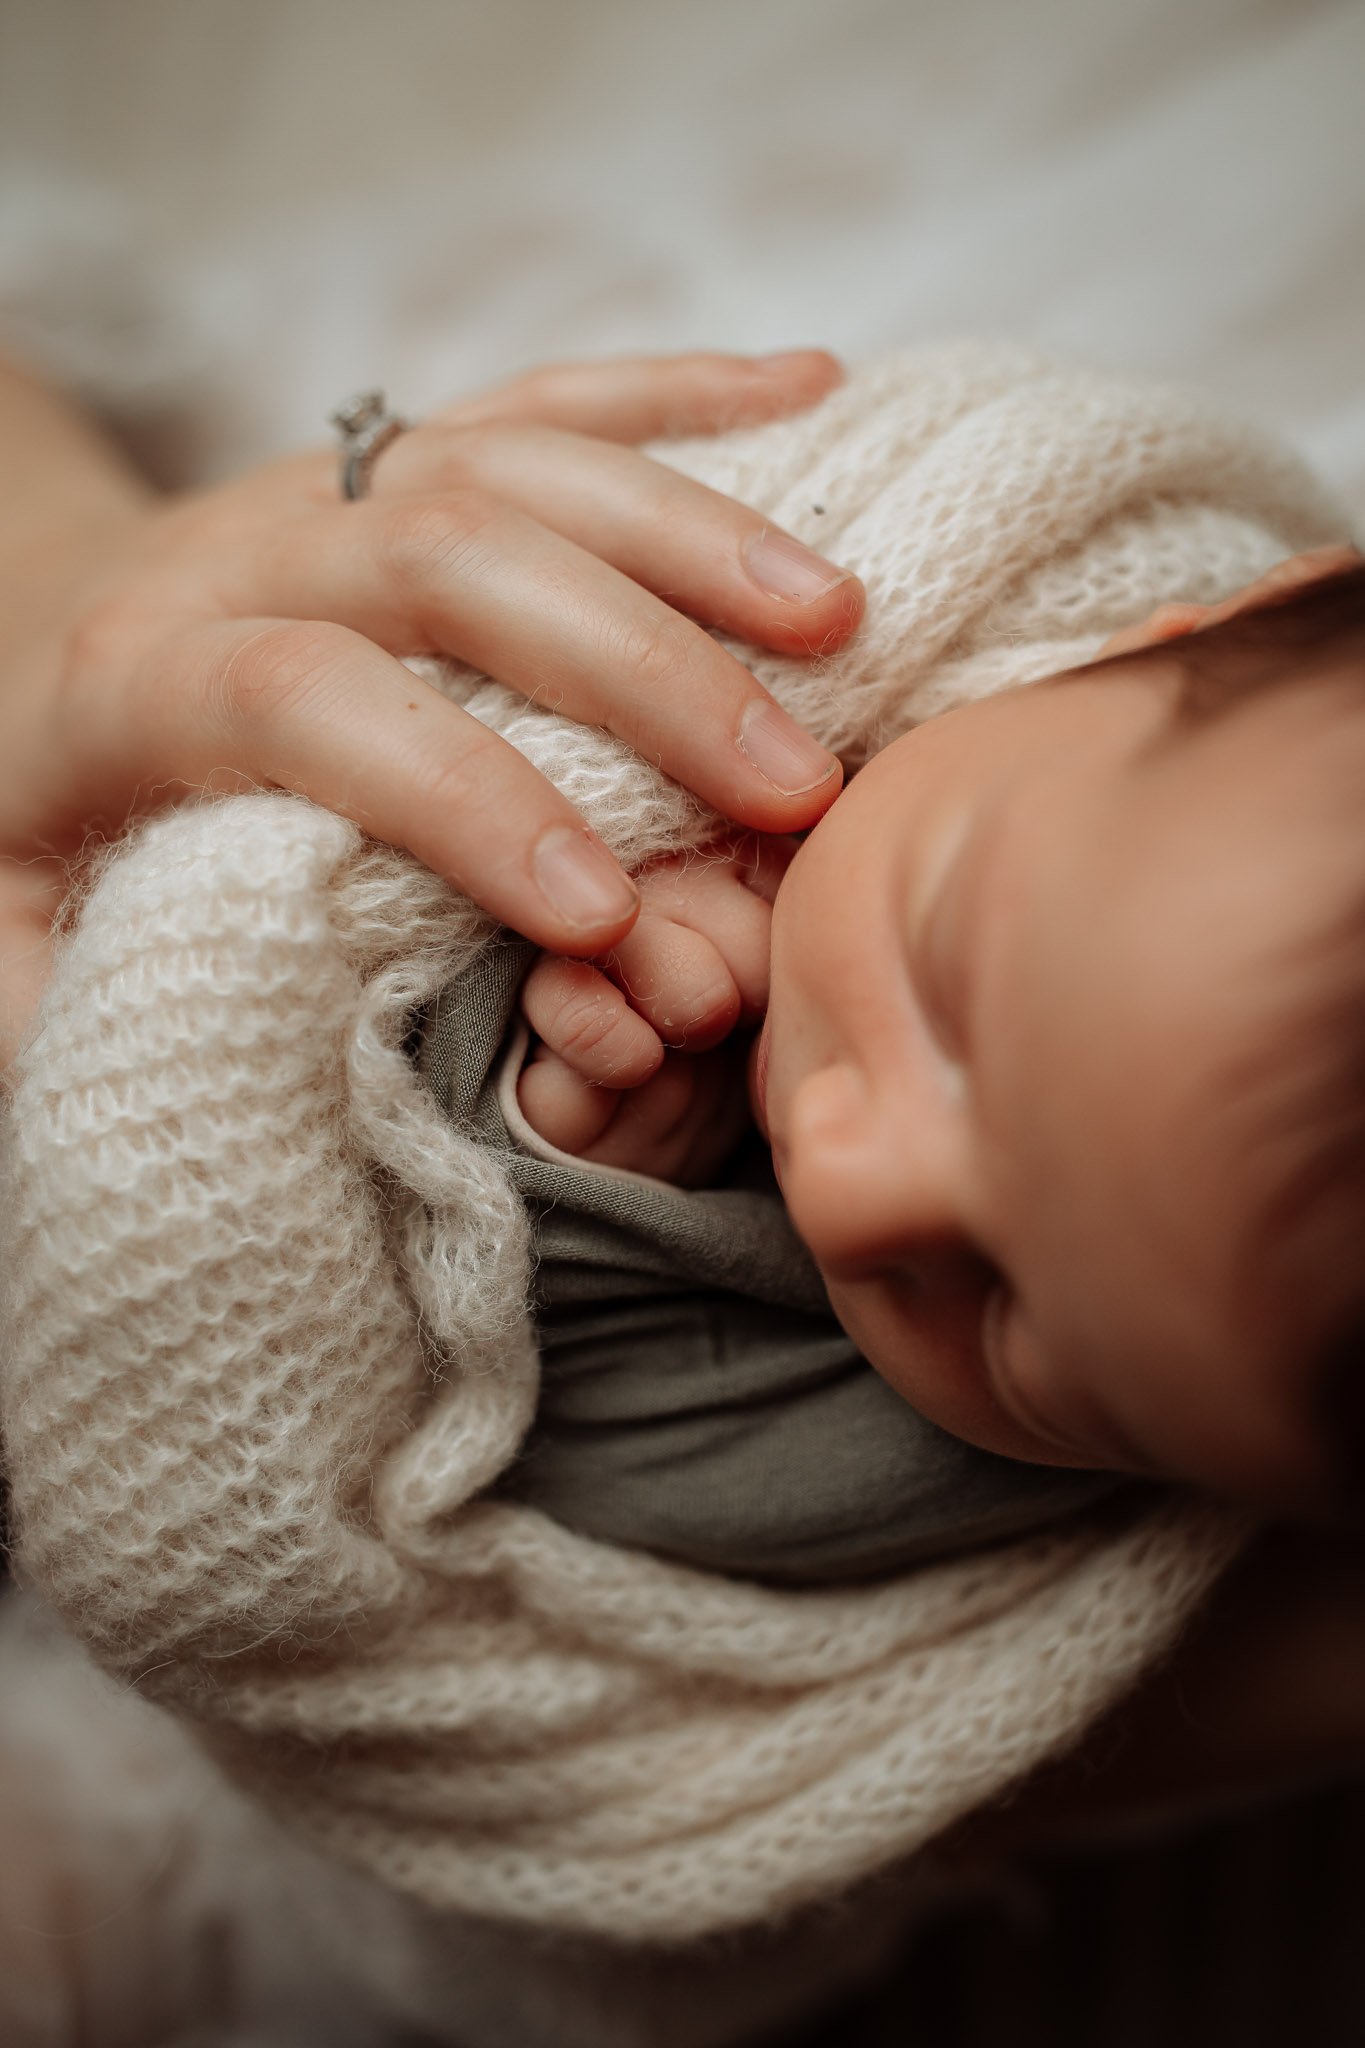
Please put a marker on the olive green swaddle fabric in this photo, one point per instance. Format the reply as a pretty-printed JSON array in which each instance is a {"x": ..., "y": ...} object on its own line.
[{"x": 698, "y": 1397}]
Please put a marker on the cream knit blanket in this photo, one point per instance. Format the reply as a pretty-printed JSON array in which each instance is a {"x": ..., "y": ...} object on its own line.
[{"x": 267, "y": 1339}]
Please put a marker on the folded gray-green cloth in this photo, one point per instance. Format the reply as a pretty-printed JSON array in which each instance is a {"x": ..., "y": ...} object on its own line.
[{"x": 698, "y": 1396}]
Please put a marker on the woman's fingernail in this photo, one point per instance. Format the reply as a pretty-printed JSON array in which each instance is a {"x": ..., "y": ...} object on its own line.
[
  {"x": 783, "y": 568},
  {"x": 579, "y": 879},
  {"x": 782, "y": 752},
  {"x": 778, "y": 358}
]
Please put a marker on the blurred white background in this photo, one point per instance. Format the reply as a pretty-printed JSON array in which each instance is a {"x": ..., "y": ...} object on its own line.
[{"x": 220, "y": 217}]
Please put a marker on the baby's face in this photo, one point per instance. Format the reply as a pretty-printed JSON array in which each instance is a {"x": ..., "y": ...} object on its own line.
[{"x": 1014, "y": 971}]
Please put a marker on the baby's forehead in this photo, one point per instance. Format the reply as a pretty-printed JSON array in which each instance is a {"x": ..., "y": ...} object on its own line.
[{"x": 1233, "y": 1085}]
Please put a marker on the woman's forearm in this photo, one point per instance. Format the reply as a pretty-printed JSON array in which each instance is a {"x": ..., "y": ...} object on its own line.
[{"x": 67, "y": 488}]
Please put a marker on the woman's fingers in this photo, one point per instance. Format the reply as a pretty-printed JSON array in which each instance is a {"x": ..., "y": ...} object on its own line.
[
  {"x": 643, "y": 398},
  {"x": 209, "y": 664},
  {"x": 317, "y": 709},
  {"x": 475, "y": 576},
  {"x": 647, "y": 398},
  {"x": 706, "y": 554}
]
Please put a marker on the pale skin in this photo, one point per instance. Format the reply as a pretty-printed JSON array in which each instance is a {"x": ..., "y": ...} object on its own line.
[
  {"x": 937, "y": 1075},
  {"x": 247, "y": 635},
  {"x": 881, "y": 1153}
]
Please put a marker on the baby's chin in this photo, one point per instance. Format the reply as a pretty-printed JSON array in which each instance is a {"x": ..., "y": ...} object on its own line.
[{"x": 948, "y": 1385}]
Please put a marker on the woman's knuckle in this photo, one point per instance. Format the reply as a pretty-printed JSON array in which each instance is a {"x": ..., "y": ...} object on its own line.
[
  {"x": 99, "y": 643},
  {"x": 545, "y": 384},
  {"x": 483, "y": 451},
  {"x": 462, "y": 451},
  {"x": 462, "y": 781},
  {"x": 278, "y": 667},
  {"x": 441, "y": 787},
  {"x": 431, "y": 538},
  {"x": 659, "y": 654}
]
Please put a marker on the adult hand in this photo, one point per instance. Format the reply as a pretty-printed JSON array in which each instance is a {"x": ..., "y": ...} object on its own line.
[{"x": 250, "y": 635}]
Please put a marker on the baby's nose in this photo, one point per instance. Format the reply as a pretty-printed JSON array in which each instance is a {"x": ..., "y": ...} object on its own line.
[{"x": 862, "y": 1190}]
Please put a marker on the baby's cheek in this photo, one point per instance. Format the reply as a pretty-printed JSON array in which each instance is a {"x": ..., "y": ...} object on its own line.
[{"x": 925, "y": 1339}]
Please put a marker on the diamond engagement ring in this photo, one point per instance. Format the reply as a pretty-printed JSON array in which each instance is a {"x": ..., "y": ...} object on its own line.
[{"x": 365, "y": 427}]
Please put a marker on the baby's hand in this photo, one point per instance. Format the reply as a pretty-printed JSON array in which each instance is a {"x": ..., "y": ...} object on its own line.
[{"x": 631, "y": 1069}]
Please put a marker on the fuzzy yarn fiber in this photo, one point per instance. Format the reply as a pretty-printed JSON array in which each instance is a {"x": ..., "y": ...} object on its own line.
[{"x": 266, "y": 1336}]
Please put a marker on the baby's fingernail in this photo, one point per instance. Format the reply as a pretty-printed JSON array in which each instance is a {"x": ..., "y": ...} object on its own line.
[
  {"x": 782, "y": 752},
  {"x": 579, "y": 879},
  {"x": 783, "y": 568}
]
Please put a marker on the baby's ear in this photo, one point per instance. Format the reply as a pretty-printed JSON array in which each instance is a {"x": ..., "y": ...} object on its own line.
[{"x": 1174, "y": 621}]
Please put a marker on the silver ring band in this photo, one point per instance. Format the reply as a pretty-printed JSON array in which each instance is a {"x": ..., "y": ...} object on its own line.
[{"x": 365, "y": 427}]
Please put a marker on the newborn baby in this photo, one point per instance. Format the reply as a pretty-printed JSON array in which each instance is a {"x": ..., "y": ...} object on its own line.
[
  {"x": 469, "y": 1593},
  {"x": 697, "y": 1397},
  {"x": 1050, "y": 1045}
]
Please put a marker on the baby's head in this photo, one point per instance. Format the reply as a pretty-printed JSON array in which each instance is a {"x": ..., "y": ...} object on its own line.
[{"x": 1065, "y": 1063}]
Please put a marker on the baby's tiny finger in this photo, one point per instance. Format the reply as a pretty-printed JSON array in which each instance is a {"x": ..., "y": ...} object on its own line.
[
  {"x": 652, "y": 1123},
  {"x": 725, "y": 896},
  {"x": 676, "y": 979},
  {"x": 762, "y": 859},
  {"x": 584, "y": 1019},
  {"x": 680, "y": 1125},
  {"x": 561, "y": 1106}
]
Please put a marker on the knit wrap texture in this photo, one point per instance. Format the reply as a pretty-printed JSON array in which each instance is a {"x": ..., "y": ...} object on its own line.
[{"x": 267, "y": 1340}]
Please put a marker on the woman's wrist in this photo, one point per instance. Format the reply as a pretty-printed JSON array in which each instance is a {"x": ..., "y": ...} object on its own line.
[
  {"x": 71, "y": 503},
  {"x": 59, "y": 460},
  {"x": 48, "y": 574}
]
